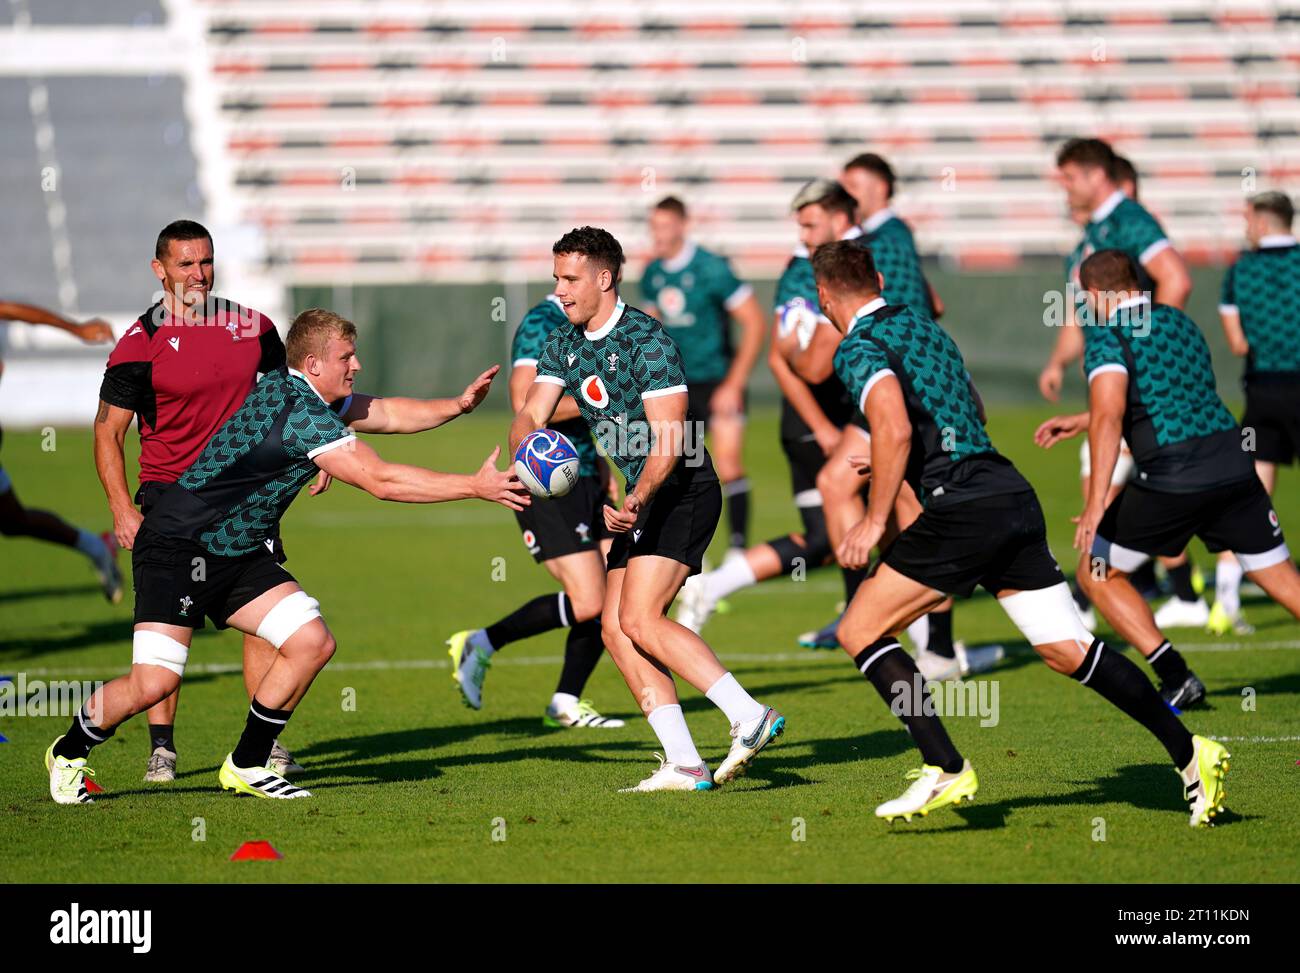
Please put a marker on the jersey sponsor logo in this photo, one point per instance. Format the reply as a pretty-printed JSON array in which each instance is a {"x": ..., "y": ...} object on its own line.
[
  {"x": 672, "y": 302},
  {"x": 175, "y": 343},
  {"x": 530, "y": 542},
  {"x": 594, "y": 391},
  {"x": 1272, "y": 519}
]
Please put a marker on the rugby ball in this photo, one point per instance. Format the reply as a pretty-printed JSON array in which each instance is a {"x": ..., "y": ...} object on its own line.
[{"x": 547, "y": 463}]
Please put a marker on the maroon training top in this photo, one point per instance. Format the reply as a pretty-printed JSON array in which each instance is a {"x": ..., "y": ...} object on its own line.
[{"x": 183, "y": 379}]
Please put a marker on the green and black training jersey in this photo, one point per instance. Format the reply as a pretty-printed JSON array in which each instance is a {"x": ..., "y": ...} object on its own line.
[
  {"x": 695, "y": 293},
  {"x": 233, "y": 496},
  {"x": 1120, "y": 223},
  {"x": 893, "y": 250},
  {"x": 1263, "y": 288},
  {"x": 1183, "y": 437},
  {"x": 529, "y": 340},
  {"x": 610, "y": 372},
  {"x": 952, "y": 459}
]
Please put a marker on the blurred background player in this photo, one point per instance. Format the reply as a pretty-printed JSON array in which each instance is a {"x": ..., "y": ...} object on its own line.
[
  {"x": 626, "y": 376},
  {"x": 695, "y": 294},
  {"x": 181, "y": 370},
  {"x": 17, "y": 520},
  {"x": 565, "y": 534},
  {"x": 1260, "y": 313},
  {"x": 1104, "y": 185},
  {"x": 812, "y": 415}
]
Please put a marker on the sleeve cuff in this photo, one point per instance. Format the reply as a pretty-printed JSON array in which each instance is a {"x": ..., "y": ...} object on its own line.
[
  {"x": 1228, "y": 309},
  {"x": 334, "y": 445},
  {"x": 739, "y": 296},
  {"x": 1101, "y": 369},
  {"x": 549, "y": 380},
  {"x": 1155, "y": 248},
  {"x": 656, "y": 393},
  {"x": 523, "y": 361},
  {"x": 871, "y": 383}
]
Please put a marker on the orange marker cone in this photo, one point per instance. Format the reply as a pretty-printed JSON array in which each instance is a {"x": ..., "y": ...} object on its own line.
[{"x": 256, "y": 851}]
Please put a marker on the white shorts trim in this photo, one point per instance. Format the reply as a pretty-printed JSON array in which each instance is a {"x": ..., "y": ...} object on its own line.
[
  {"x": 1258, "y": 562},
  {"x": 808, "y": 498},
  {"x": 858, "y": 429},
  {"x": 1046, "y": 616},
  {"x": 1118, "y": 556},
  {"x": 334, "y": 445},
  {"x": 288, "y": 615},
  {"x": 156, "y": 649}
]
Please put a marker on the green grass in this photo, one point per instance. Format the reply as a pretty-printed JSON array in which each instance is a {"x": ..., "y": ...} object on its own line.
[{"x": 409, "y": 785}]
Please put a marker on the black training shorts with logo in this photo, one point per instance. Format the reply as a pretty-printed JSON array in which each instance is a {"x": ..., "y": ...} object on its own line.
[
  {"x": 678, "y": 523},
  {"x": 565, "y": 525}
]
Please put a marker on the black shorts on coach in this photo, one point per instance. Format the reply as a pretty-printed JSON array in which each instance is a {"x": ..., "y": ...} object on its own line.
[
  {"x": 1141, "y": 523},
  {"x": 177, "y": 582},
  {"x": 998, "y": 542},
  {"x": 1273, "y": 412},
  {"x": 564, "y": 525},
  {"x": 679, "y": 522}
]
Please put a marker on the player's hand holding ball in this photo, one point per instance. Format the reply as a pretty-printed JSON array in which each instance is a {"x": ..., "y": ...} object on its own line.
[{"x": 499, "y": 486}]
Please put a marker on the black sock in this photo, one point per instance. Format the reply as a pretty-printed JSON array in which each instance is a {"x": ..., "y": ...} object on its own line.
[
  {"x": 162, "y": 735},
  {"x": 1181, "y": 578},
  {"x": 542, "y": 614},
  {"x": 1080, "y": 599},
  {"x": 853, "y": 578},
  {"x": 82, "y": 737},
  {"x": 940, "y": 641},
  {"x": 737, "y": 494},
  {"x": 896, "y": 678},
  {"x": 792, "y": 554},
  {"x": 1168, "y": 664},
  {"x": 262, "y": 727},
  {"x": 581, "y": 653},
  {"x": 1144, "y": 579},
  {"x": 1120, "y": 682}
]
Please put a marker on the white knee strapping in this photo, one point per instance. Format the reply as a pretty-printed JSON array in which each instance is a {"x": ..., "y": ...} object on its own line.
[
  {"x": 291, "y": 613},
  {"x": 156, "y": 649},
  {"x": 1046, "y": 616}
]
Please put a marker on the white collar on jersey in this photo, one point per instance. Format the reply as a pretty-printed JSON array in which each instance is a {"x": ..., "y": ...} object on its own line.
[
  {"x": 852, "y": 233},
  {"x": 871, "y": 307},
  {"x": 1131, "y": 302},
  {"x": 608, "y": 326},
  {"x": 1276, "y": 240},
  {"x": 1107, "y": 207},
  {"x": 683, "y": 259},
  {"x": 877, "y": 219},
  {"x": 294, "y": 371}
]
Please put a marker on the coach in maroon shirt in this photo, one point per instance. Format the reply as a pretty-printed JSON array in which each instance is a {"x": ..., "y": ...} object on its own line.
[{"x": 182, "y": 368}]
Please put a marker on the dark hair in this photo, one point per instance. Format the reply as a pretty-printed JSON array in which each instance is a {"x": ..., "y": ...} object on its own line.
[
  {"x": 1276, "y": 204},
  {"x": 1109, "y": 270},
  {"x": 179, "y": 230},
  {"x": 1088, "y": 152},
  {"x": 829, "y": 195},
  {"x": 1124, "y": 171},
  {"x": 597, "y": 245},
  {"x": 846, "y": 265},
  {"x": 672, "y": 204},
  {"x": 877, "y": 166}
]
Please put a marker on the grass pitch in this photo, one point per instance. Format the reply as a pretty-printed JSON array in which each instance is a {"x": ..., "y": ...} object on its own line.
[{"x": 411, "y": 786}]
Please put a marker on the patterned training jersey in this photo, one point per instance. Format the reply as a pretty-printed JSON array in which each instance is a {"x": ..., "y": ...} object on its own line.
[
  {"x": 1263, "y": 287},
  {"x": 610, "y": 372},
  {"x": 695, "y": 295},
  {"x": 1182, "y": 436},
  {"x": 894, "y": 251},
  {"x": 952, "y": 459},
  {"x": 526, "y": 349},
  {"x": 797, "y": 309},
  {"x": 234, "y": 495}
]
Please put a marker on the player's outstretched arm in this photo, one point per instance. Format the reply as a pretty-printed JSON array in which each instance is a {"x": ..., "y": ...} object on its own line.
[
  {"x": 891, "y": 442},
  {"x": 358, "y": 464},
  {"x": 371, "y": 413},
  {"x": 111, "y": 425},
  {"x": 1107, "y": 399},
  {"x": 92, "y": 331},
  {"x": 536, "y": 411},
  {"x": 816, "y": 363},
  {"x": 1059, "y": 428}
]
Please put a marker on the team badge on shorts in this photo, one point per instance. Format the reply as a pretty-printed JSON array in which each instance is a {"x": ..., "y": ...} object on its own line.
[
  {"x": 594, "y": 391},
  {"x": 530, "y": 542},
  {"x": 186, "y": 602}
]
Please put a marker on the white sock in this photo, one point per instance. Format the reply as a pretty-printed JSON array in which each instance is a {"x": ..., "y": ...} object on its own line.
[
  {"x": 670, "y": 727},
  {"x": 730, "y": 697},
  {"x": 1227, "y": 585},
  {"x": 731, "y": 576},
  {"x": 481, "y": 640},
  {"x": 919, "y": 633},
  {"x": 563, "y": 702},
  {"x": 93, "y": 547}
]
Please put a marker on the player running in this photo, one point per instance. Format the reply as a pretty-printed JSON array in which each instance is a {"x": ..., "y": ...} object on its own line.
[
  {"x": 1261, "y": 319},
  {"x": 180, "y": 371},
  {"x": 695, "y": 294},
  {"x": 982, "y": 525},
  {"x": 1150, "y": 379},
  {"x": 565, "y": 534},
  {"x": 206, "y": 547},
  {"x": 626, "y": 376},
  {"x": 17, "y": 520}
]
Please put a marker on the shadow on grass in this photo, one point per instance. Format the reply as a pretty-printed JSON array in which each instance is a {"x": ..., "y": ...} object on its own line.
[
  {"x": 31, "y": 594},
  {"x": 1288, "y": 684}
]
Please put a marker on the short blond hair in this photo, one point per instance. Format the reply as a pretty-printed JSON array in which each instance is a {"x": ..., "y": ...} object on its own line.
[{"x": 311, "y": 331}]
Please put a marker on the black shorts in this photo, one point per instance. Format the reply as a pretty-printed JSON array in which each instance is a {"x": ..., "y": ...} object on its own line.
[
  {"x": 698, "y": 396},
  {"x": 1141, "y": 523},
  {"x": 564, "y": 525},
  {"x": 806, "y": 460},
  {"x": 678, "y": 524},
  {"x": 178, "y": 582},
  {"x": 998, "y": 542},
  {"x": 1273, "y": 412},
  {"x": 147, "y": 495}
]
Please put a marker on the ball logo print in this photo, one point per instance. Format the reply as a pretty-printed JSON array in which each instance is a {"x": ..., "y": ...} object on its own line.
[
  {"x": 594, "y": 391},
  {"x": 547, "y": 463}
]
